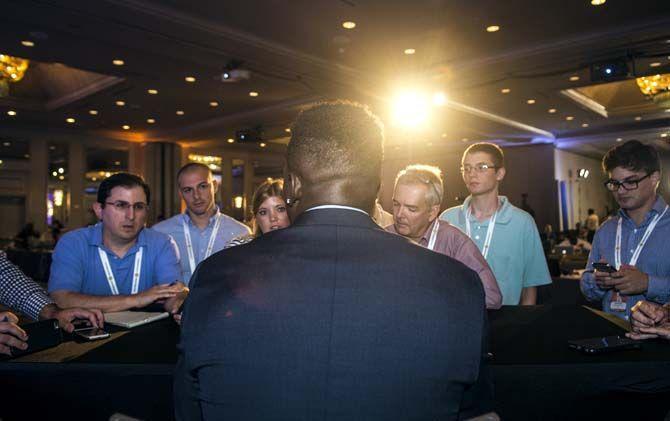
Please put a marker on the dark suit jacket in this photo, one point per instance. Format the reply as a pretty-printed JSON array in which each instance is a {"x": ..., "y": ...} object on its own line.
[{"x": 330, "y": 319}]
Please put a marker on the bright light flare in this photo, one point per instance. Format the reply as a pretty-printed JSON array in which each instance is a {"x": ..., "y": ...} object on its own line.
[
  {"x": 411, "y": 108},
  {"x": 439, "y": 99}
]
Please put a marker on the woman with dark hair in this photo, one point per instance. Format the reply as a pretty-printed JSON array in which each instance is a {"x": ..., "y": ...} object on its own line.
[{"x": 268, "y": 208}]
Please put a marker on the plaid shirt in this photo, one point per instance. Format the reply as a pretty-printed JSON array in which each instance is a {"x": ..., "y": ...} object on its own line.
[{"x": 18, "y": 291}]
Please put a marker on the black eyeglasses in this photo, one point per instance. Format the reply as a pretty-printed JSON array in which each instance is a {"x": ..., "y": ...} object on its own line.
[
  {"x": 123, "y": 206},
  {"x": 613, "y": 185}
]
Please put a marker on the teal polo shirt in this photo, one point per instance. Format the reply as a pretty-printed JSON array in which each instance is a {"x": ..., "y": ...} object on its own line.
[{"x": 515, "y": 254}]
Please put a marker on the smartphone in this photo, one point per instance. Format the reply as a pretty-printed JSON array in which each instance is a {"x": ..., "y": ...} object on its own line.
[
  {"x": 91, "y": 333},
  {"x": 41, "y": 335},
  {"x": 603, "y": 344},
  {"x": 603, "y": 267}
]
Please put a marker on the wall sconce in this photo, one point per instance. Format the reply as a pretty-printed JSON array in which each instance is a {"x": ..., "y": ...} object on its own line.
[
  {"x": 583, "y": 173},
  {"x": 238, "y": 201},
  {"x": 58, "y": 197}
]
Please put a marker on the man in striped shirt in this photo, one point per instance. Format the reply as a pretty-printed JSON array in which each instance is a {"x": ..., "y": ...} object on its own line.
[{"x": 22, "y": 294}]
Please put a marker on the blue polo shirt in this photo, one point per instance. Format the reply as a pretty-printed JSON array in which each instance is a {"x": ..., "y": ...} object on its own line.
[
  {"x": 515, "y": 254},
  {"x": 228, "y": 230},
  {"x": 653, "y": 258},
  {"x": 76, "y": 264}
]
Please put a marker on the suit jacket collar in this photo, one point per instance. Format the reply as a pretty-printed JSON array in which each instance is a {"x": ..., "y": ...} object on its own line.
[{"x": 343, "y": 217}]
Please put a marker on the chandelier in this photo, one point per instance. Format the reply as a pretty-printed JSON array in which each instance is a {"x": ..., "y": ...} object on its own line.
[
  {"x": 12, "y": 69},
  {"x": 657, "y": 88}
]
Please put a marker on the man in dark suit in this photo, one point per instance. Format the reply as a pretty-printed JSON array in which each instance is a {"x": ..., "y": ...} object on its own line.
[{"x": 332, "y": 318}]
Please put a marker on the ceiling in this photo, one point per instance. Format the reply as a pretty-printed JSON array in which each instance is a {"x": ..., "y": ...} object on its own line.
[{"x": 298, "y": 52}]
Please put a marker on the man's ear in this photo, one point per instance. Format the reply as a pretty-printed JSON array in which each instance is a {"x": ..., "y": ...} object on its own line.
[
  {"x": 215, "y": 184},
  {"x": 97, "y": 208},
  {"x": 655, "y": 177},
  {"x": 434, "y": 212},
  {"x": 500, "y": 174},
  {"x": 293, "y": 187}
]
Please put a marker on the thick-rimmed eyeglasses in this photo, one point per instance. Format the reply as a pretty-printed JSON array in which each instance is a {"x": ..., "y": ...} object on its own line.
[
  {"x": 479, "y": 168},
  {"x": 123, "y": 206},
  {"x": 613, "y": 185}
]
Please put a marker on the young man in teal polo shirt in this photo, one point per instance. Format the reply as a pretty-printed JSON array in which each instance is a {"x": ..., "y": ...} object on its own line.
[
  {"x": 117, "y": 264},
  {"x": 506, "y": 235}
]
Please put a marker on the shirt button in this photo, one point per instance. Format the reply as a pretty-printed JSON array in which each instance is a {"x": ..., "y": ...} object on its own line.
[
  {"x": 632, "y": 251},
  {"x": 635, "y": 230},
  {"x": 476, "y": 237}
]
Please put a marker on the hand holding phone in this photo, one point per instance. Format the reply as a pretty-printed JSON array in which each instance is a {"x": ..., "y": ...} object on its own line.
[
  {"x": 91, "y": 333},
  {"x": 603, "y": 267}
]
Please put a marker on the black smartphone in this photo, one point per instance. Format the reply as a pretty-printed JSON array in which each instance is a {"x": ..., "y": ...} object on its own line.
[
  {"x": 603, "y": 267},
  {"x": 91, "y": 333},
  {"x": 41, "y": 335},
  {"x": 603, "y": 344}
]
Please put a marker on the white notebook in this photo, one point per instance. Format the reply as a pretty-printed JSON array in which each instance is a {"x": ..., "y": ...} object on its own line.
[{"x": 130, "y": 319}]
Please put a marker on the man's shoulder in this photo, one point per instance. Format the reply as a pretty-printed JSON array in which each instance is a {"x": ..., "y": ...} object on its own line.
[
  {"x": 77, "y": 236},
  {"x": 167, "y": 225},
  {"x": 155, "y": 237},
  {"x": 450, "y": 230},
  {"x": 232, "y": 223}
]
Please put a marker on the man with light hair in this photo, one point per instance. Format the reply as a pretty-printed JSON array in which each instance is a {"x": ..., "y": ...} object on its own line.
[{"x": 417, "y": 196}]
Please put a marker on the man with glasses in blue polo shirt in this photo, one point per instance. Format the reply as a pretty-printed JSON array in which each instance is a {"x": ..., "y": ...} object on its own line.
[
  {"x": 117, "y": 264},
  {"x": 506, "y": 235},
  {"x": 634, "y": 245}
]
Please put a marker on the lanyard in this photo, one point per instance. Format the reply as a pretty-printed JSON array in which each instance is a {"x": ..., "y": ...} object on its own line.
[
  {"x": 433, "y": 235},
  {"x": 110, "y": 275},
  {"x": 640, "y": 245},
  {"x": 210, "y": 244},
  {"x": 489, "y": 231}
]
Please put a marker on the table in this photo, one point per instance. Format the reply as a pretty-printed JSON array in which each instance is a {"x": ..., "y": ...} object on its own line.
[{"x": 536, "y": 375}]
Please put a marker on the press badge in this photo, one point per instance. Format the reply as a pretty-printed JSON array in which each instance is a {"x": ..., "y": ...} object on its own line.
[{"x": 617, "y": 304}]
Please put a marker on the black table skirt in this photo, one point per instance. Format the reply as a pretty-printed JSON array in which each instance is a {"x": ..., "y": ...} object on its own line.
[{"x": 536, "y": 376}]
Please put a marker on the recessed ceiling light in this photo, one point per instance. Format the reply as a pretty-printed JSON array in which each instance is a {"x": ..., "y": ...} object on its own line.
[
  {"x": 231, "y": 140},
  {"x": 348, "y": 24},
  {"x": 61, "y": 170},
  {"x": 180, "y": 112},
  {"x": 61, "y": 177},
  {"x": 530, "y": 101},
  {"x": 253, "y": 93},
  {"x": 125, "y": 127},
  {"x": 70, "y": 120},
  {"x": 262, "y": 145},
  {"x": 120, "y": 103},
  {"x": 152, "y": 91},
  {"x": 53, "y": 148},
  {"x": 505, "y": 90},
  {"x": 213, "y": 104},
  {"x": 492, "y": 28},
  {"x": 667, "y": 110},
  {"x": 54, "y": 173},
  {"x": 638, "y": 118},
  {"x": 6, "y": 143},
  {"x": 569, "y": 118},
  {"x": 465, "y": 139},
  {"x": 409, "y": 51},
  {"x": 551, "y": 110},
  {"x": 93, "y": 112},
  {"x": 444, "y": 135},
  {"x": 151, "y": 120},
  {"x": 585, "y": 124},
  {"x": 598, "y": 2},
  {"x": 11, "y": 113},
  {"x": 654, "y": 64},
  {"x": 664, "y": 135},
  {"x": 189, "y": 79},
  {"x": 27, "y": 43},
  {"x": 287, "y": 130},
  {"x": 117, "y": 163},
  {"x": 574, "y": 78},
  {"x": 118, "y": 62},
  {"x": 27, "y": 156},
  {"x": 618, "y": 139}
]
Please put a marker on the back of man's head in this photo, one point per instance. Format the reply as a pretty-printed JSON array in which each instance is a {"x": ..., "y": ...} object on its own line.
[
  {"x": 335, "y": 142},
  {"x": 632, "y": 155}
]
